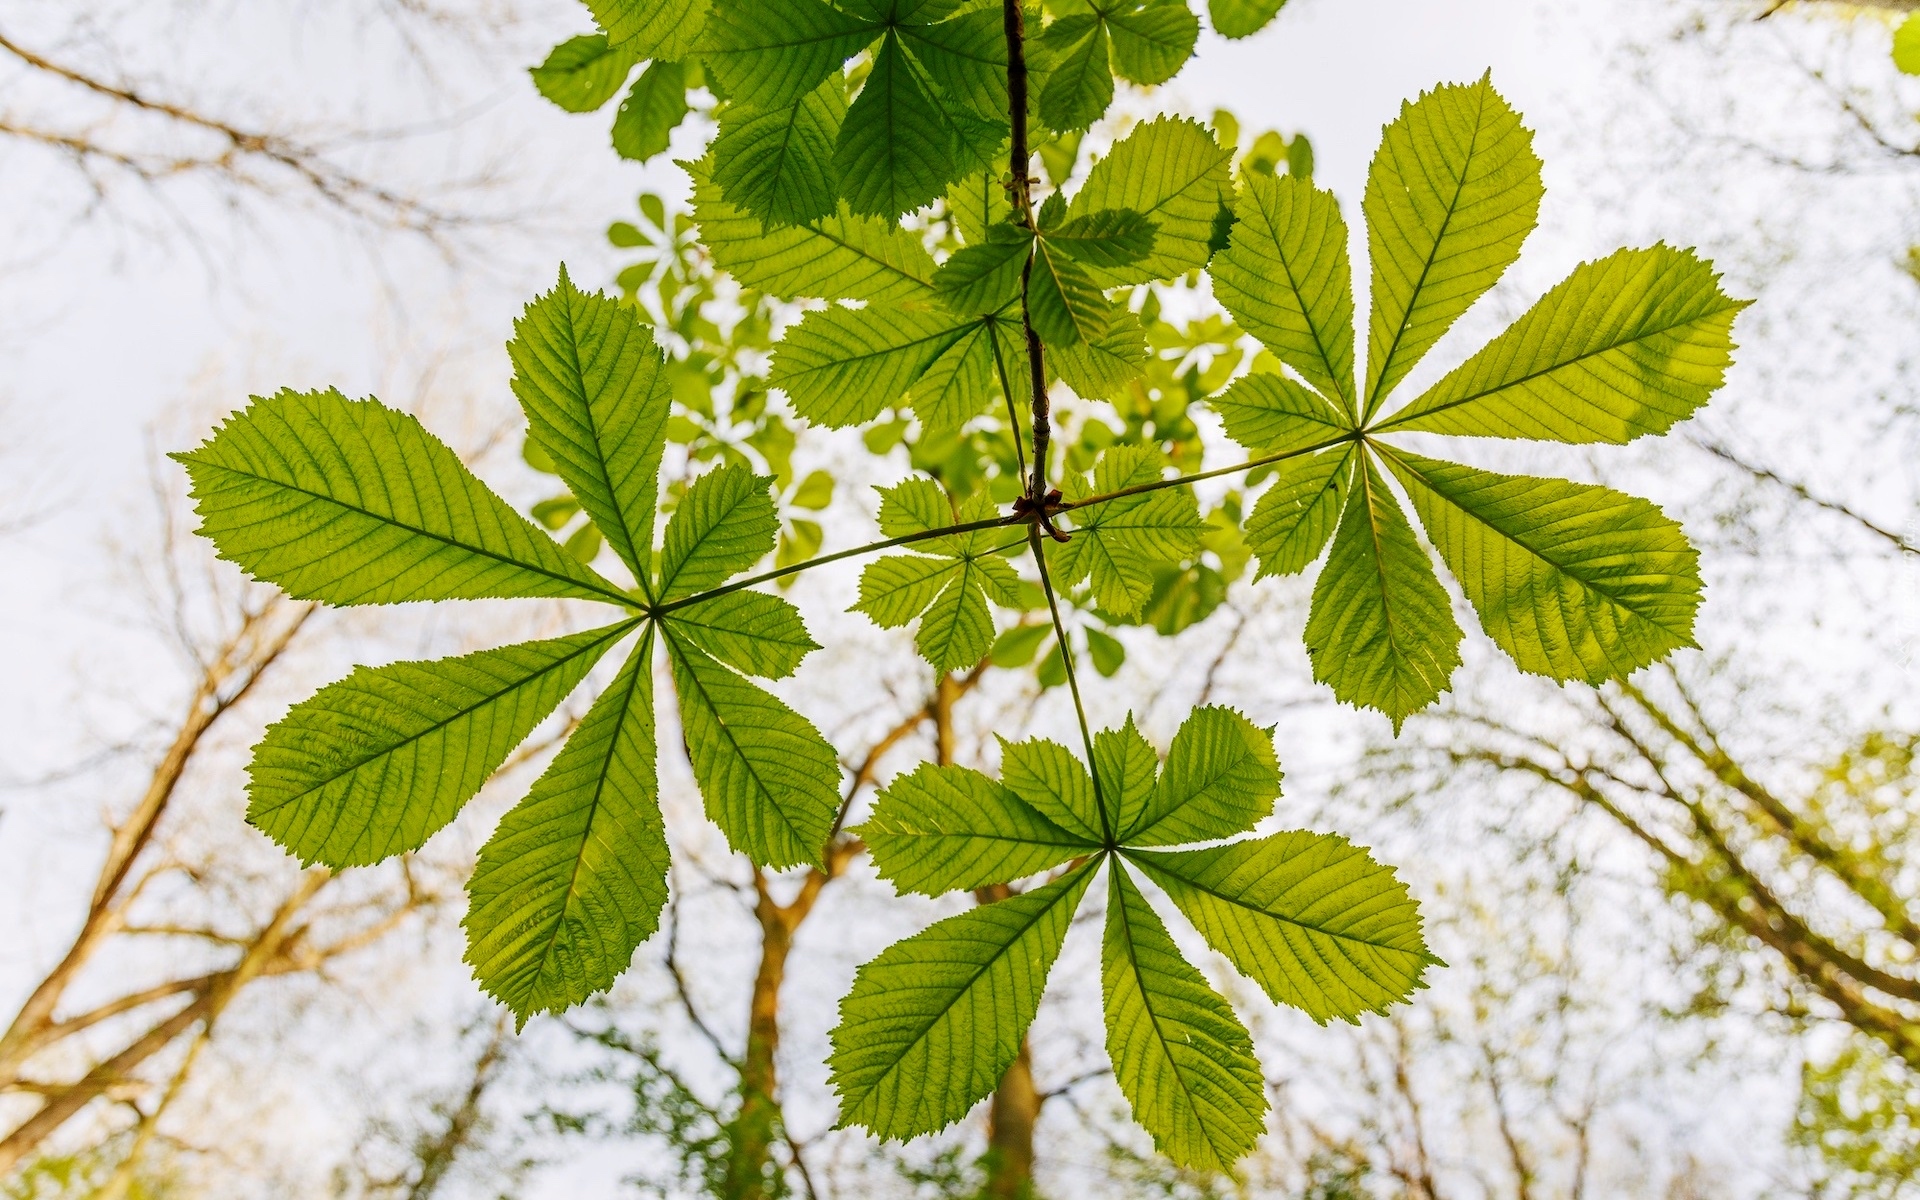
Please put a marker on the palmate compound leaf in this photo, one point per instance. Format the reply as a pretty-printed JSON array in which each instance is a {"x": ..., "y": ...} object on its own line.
[
  {"x": 352, "y": 502},
  {"x": 934, "y": 1020},
  {"x": 836, "y": 257},
  {"x": 1284, "y": 277},
  {"x": 1623, "y": 347},
  {"x": 1309, "y": 917},
  {"x": 377, "y": 763},
  {"x": 948, "y": 581},
  {"x": 947, "y": 829},
  {"x": 1381, "y": 631},
  {"x": 595, "y": 391},
  {"x": 1120, "y": 544},
  {"x": 932, "y": 1024},
  {"x": 1452, "y": 193},
  {"x": 1180, "y": 1055},
  {"x": 574, "y": 878},
  {"x": 1572, "y": 580}
]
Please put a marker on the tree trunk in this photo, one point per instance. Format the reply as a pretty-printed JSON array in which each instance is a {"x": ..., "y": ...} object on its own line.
[
  {"x": 1011, "y": 1116},
  {"x": 757, "y": 1127}
]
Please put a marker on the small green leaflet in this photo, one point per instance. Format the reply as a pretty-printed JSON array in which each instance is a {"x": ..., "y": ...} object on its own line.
[
  {"x": 1242, "y": 18},
  {"x": 575, "y": 877},
  {"x": 950, "y": 829},
  {"x": 1381, "y": 630},
  {"x": 351, "y": 502},
  {"x": 843, "y": 366},
  {"x": 1118, "y": 545},
  {"x": 653, "y": 109},
  {"x": 664, "y": 29},
  {"x": 1624, "y": 347},
  {"x": 777, "y": 165},
  {"x": 1143, "y": 41},
  {"x": 1181, "y": 1057},
  {"x": 1307, "y": 916},
  {"x": 582, "y": 73},
  {"x": 1172, "y": 172},
  {"x": 932, "y": 1024},
  {"x": 933, "y": 1021},
  {"x": 1572, "y": 581},
  {"x": 770, "y": 781},
  {"x": 1267, "y": 412},
  {"x": 930, "y": 110},
  {"x": 1285, "y": 279},
  {"x": 948, "y": 581},
  {"x": 1451, "y": 194},
  {"x": 1295, "y": 517},
  {"x": 836, "y": 257},
  {"x": 594, "y": 388},
  {"x": 377, "y": 763},
  {"x": 1220, "y": 780}
]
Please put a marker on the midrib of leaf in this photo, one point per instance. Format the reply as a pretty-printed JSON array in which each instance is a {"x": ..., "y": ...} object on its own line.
[
  {"x": 739, "y": 751},
  {"x": 868, "y": 255},
  {"x": 1296, "y": 922},
  {"x": 1293, "y": 283},
  {"x": 984, "y": 967},
  {"x": 600, "y": 462},
  {"x": 1412, "y": 414},
  {"x": 613, "y": 633},
  {"x": 1197, "y": 792},
  {"x": 1685, "y": 634},
  {"x": 1159, "y": 1034},
  {"x": 1379, "y": 552},
  {"x": 1459, "y": 186},
  {"x": 954, "y": 336},
  {"x": 644, "y": 649},
  {"x": 617, "y": 597}
]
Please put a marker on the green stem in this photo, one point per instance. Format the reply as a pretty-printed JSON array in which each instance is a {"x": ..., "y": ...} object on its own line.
[
  {"x": 923, "y": 535},
  {"x": 1073, "y": 678}
]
